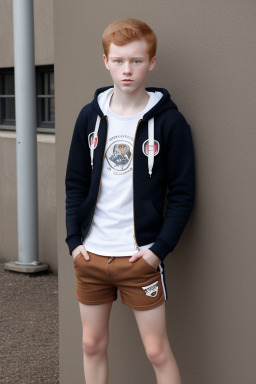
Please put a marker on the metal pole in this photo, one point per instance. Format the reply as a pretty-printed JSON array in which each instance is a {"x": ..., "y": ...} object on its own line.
[{"x": 26, "y": 141}]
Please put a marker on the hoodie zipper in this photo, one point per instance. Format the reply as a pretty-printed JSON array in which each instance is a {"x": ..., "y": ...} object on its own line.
[
  {"x": 134, "y": 236},
  {"x": 100, "y": 181}
]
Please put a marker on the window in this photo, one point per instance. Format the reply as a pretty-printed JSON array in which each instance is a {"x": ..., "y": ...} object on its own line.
[
  {"x": 44, "y": 93},
  {"x": 7, "y": 97},
  {"x": 45, "y": 97}
]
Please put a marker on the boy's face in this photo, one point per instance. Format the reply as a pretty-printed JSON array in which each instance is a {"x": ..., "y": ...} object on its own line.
[{"x": 129, "y": 65}]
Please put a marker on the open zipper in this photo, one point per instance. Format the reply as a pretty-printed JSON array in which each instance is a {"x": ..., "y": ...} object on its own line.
[
  {"x": 134, "y": 236},
  {"x": 100, "y": 180}
]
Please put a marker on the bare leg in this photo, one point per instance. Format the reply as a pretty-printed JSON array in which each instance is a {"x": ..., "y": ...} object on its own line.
[
  {"x": 152, "y": 327},
  {"x": 95, "y": 323}
]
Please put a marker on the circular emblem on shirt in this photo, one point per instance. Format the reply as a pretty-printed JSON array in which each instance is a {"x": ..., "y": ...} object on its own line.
[{"x": 119, "y": 155}]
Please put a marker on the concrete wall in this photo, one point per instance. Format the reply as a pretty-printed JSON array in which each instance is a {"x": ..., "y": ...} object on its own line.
[
  {"x": 43, "y": 24},
  {"x": 206, "y": 58},
  {"x": 46, "y": 199}
]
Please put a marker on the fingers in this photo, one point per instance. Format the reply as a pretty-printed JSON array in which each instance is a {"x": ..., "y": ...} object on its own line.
[
  {"x": 85, "y": 255},
  {"x": 80, "y": 249},
  {"x": 148, "y": 255},
  {"x": 84, "y": 252},
  {"x": 136, "y": 256}
]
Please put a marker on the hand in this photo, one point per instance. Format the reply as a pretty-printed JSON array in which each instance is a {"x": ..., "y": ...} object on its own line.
[
  {"x": 147, "y": 255},
  {"x": 80, "y": 249}
]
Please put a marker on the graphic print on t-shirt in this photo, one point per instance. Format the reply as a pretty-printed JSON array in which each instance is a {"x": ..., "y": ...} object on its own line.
[{"x": 119, "y": 154}]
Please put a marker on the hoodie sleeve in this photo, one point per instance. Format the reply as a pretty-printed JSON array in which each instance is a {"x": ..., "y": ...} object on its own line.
[
  {"x": 78, "y": 177},
  {"x": 181, "y": 186}
]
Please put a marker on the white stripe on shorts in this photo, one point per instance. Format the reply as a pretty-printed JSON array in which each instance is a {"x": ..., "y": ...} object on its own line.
[{"x": 162, "y": 280}]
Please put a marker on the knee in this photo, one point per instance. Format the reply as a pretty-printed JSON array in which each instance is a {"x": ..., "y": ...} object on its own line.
[
  {"x": 157, "y": 355},
  {"x": 94, "y": 346}
]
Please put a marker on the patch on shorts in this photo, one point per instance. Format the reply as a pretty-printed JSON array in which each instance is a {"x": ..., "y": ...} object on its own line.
[{"x": 151, "y": 290}]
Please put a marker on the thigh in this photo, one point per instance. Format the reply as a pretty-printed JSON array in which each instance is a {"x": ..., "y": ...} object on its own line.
[
  {"x": 95, "y": 320},
  {"x": 152, "y": 326}
]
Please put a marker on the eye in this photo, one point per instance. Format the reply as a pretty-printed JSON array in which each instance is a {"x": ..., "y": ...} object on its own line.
[
  {"x": 118, "y": 61},
  {"x": 137, "y": 61}
]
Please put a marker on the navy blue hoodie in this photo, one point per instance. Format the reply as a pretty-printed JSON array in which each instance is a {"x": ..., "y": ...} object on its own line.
[{"x": 172, "y": 176}]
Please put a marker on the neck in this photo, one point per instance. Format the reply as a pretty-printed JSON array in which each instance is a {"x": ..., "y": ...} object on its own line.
[{"x": 127, "y": 104}]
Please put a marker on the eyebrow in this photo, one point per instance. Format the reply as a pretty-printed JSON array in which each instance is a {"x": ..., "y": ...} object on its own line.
[{"x": 119, "y": 57}]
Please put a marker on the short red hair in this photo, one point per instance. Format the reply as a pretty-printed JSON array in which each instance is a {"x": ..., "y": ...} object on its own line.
[{"x": 124, "y": 31}]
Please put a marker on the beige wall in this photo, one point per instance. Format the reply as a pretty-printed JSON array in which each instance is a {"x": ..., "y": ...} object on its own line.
[
  {"x": 206, "y": 58},
  {"x": 46, "y": 199},
  {"x": 43, "y": 21}
]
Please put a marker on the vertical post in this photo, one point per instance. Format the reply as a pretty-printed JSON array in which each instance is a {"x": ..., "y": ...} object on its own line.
[{"x": 26, "y": 138}]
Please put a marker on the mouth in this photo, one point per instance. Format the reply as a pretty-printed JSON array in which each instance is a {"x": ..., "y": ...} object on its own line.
[{"x": 127, "y": 81}]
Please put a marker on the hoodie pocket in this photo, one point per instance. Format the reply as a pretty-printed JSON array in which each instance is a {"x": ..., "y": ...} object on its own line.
[{"x": 147, "y": 217}]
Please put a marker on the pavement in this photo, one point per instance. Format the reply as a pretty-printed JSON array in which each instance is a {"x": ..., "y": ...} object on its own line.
[{"x": 28, "y": 328}]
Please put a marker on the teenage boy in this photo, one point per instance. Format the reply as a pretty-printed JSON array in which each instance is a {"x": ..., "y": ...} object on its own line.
[{"x": 130, "y": 147}]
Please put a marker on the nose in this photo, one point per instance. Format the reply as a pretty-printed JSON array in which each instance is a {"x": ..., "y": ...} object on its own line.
[{"x": 127, "y": 68}]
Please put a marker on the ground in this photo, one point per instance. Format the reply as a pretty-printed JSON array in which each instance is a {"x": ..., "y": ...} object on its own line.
[{"x": 28, "y": 328}]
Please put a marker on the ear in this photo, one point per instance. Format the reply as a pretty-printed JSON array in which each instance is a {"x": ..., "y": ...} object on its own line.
[
  {"x": 105, "y": 61},
  {"x": 152, "y": 63}
]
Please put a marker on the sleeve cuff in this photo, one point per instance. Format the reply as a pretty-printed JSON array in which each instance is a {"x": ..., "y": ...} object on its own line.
[
  {"x": 160, "y": 249},
  {"x": 73, "y": 242}
]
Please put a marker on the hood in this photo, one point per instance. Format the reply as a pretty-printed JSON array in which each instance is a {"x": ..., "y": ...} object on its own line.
[{"x": 163, "y": 104}]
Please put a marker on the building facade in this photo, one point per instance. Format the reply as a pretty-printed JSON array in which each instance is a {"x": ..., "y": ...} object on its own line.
[{"x": 44, "y": 72}]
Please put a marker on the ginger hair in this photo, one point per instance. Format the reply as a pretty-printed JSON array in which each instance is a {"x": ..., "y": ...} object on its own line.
[{"x": 124, "y": 31}]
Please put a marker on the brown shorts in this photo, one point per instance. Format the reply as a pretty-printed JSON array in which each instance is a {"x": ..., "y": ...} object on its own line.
[{"x": 141, "y": 286}]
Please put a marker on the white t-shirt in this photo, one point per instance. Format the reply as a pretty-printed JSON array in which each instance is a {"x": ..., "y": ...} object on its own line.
[{"x": 112, "y": 231}]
